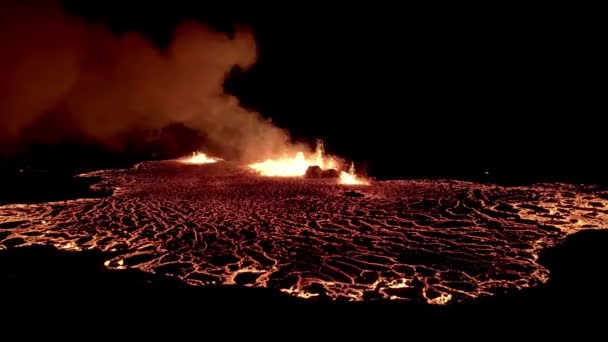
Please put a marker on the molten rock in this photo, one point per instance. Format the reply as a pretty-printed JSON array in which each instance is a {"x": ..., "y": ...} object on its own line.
[
  {"x": 313, "y": 172},
  {"x": 415, "y": 240},
  {"x": 330, "y": 173}
]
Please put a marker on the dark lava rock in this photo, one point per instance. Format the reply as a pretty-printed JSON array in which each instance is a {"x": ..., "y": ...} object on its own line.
[
  {"x": 11, "y": 224},
  {"x": 316, "y": 288},
  {"x": 31, "y": 186},
  {"x": 246, "y": 278},
  {"x": 406, "y": 292},
  {"x": 371, "y": 296},
  {"x": 223, "y": 260},
  {"x": 330, "y": 173},
  {"x": 13, "y": 242},
  {"x": 204, "y": 278},
  {"x": 32, "y": 233},
  {"x": 139, "y": 259},
  {"x": 549, "y": 228},
  {"x": 283, "y": 281},
  {"x": 353, "y": 194},
  {"x": 176, "y": 268},
  {"x": 247, "y": 263},
  {"x": 313, "y": 172},
  {"x": 368, "y": 277},
  {"x": 84, "y": 239},
  {"x": 416, "y": 282}
]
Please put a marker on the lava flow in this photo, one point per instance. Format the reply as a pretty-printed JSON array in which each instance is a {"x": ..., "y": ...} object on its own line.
[
  {"x": 434, "y": 241},
  {"x": 199, "y": 158},
  {"x": 297, "y": 165}
]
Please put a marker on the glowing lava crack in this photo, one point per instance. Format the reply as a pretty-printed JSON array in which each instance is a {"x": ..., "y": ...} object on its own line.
[{"x": 436, "y": 241}]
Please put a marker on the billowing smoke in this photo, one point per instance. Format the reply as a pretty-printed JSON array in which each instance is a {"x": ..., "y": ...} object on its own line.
[{"x": 62, "y": 77}]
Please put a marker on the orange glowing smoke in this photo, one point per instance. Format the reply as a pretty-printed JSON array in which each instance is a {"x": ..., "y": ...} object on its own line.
[
  {"x": 295, "y": 166},
  {"x": 199, "y": 158},
  {"x": 350, "y": 178}
]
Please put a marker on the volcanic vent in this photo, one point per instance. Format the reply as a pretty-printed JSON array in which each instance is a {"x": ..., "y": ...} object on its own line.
[{"x": 315, "y": 165}]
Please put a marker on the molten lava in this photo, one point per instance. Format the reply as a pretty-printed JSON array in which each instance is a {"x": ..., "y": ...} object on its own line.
[
  {"x": 350, "y": 178},
  {"x": 295, "y": 166},
  {"x": 284, "y": 167},
  {"x": 417, "y": 240},
  {"x": 199, "y": 158}
]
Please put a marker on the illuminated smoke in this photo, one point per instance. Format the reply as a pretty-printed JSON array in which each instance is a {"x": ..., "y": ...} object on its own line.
[{"x": 64, "y": 78}]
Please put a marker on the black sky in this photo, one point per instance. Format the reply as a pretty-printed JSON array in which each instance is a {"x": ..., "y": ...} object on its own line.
[{"x": 441, "y": 90}]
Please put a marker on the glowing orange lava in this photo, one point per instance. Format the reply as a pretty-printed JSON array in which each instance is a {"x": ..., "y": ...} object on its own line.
[
  {"x": 350, "y": 178},
  {"x": 199, "y": 158},
  {"x": 284, "y": 167},
  {"x": 295, "y": 166}
]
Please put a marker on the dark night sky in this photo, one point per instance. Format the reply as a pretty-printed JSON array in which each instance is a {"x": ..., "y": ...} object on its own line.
[{"x": 444, "y": 91}]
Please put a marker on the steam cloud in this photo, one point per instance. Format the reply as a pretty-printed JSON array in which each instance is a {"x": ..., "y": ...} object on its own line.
[{"x": 61, "y": 77}]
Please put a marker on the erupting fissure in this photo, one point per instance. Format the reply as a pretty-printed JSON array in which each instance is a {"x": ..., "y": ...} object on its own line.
[
  {"x": 350, "y": 177},
  {"x": 296, "y": 166},
  {"x": 199, "y": 158}
]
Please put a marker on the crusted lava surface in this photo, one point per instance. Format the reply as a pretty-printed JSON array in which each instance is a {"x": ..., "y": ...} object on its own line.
[{"x": 423, "y": 241}]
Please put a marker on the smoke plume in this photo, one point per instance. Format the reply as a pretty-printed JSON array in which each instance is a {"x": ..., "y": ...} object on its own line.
[{"x": 62, "y": 77}]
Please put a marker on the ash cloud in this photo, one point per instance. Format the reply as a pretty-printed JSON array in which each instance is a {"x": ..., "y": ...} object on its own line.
[{"x": 65, "y": 78}]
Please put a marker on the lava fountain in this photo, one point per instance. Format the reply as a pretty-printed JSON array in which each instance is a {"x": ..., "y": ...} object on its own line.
[
  {"x": 284, "y": 167},
  {"x": 296, "y": 166},
  {"x": 199, "y": 158},
  {"x": 350, "y": 177}
]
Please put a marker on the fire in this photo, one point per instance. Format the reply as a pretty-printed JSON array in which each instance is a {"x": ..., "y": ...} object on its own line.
[
  {"x": 350, "y": 177},
  {"x": 284, "y": 167},
  {"x": 199, "y": 158},
  {"x": 295, "y": 166}
]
